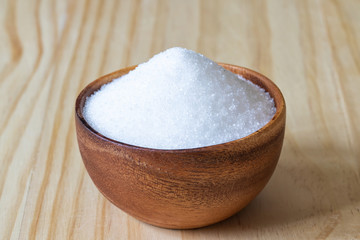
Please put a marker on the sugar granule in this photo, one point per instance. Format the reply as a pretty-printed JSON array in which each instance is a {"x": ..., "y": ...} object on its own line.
[{"x": 178, "y": 99}]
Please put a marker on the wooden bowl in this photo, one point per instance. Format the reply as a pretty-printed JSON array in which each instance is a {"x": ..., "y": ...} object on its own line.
[{"x": 185, "y": 188}]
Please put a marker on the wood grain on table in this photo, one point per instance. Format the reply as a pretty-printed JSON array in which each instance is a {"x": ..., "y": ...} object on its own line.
[{"x": 50, "y": 50}]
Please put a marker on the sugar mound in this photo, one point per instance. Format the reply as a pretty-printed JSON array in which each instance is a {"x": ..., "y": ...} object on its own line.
[{"x": 178, "y": 99}]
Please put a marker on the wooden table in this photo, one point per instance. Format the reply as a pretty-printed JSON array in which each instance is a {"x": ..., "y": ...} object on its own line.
[{"x": 49, "y": 50}]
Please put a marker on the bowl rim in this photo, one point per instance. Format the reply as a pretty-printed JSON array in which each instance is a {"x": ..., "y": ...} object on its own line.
[{"x": 276, "y": 94}]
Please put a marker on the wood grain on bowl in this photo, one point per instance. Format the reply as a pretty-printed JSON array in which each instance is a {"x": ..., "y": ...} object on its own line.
[{"x": 185, "y": 188}]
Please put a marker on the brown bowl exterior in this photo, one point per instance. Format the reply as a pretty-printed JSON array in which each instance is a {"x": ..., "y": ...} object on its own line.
[{"x": 185, "y": 188}]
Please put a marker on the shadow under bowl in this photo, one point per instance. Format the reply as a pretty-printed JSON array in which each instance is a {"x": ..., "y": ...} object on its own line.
[{"x": 184, "y": 188}]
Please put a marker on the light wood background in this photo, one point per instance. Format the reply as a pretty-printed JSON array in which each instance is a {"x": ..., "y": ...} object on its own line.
[{"x": 49, "y": 50}]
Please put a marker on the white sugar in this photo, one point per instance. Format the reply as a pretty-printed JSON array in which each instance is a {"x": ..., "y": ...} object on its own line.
[{"x": 178, "y": 99}]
